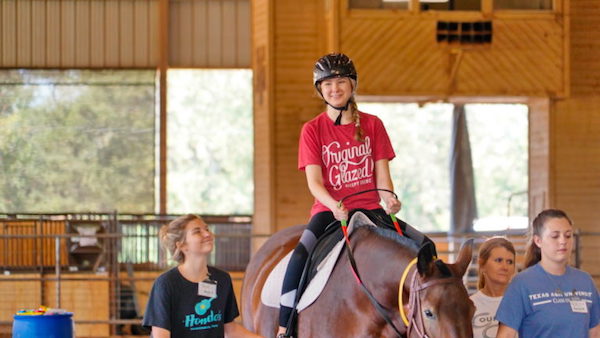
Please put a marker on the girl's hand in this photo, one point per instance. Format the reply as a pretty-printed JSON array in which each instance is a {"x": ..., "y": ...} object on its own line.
[
  {"x": 392, "y": 205},
  {"x": 340, "y": 212}
]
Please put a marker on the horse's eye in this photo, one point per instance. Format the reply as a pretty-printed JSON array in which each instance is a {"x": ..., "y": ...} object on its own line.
[{"x": 429, "y": 314}]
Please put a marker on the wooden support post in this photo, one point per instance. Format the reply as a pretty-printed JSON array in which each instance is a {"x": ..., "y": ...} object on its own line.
[{"x": 163, "y": 65}]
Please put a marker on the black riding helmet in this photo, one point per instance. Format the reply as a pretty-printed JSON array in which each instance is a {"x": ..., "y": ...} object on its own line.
[{"x": 330, "y": 66}]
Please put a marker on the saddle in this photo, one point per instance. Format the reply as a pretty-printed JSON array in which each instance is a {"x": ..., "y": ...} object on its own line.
[{"x": 333, "y": 235}]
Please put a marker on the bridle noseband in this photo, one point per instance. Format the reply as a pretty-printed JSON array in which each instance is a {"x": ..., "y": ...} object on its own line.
[{"x": 415, "y": 322}]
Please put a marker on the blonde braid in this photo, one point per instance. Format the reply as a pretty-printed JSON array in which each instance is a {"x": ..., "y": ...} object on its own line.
[{"x": 359, "y": 133}]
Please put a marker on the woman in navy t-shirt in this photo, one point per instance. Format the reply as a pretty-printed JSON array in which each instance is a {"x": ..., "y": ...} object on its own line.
[{"x": 192, "y": 299}]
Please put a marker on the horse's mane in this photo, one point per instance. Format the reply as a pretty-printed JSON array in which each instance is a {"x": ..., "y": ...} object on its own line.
[
  {"x": 391, "y": 235},
  {"x": 405, "y": 242}
]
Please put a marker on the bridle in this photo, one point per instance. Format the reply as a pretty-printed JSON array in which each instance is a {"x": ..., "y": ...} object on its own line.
[{"x": 414, "y": 322}]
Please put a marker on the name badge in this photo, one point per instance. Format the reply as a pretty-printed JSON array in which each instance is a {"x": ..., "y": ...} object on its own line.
[
  {"x": 208, "y": 289},
  {"x": 578, "y": 306}
]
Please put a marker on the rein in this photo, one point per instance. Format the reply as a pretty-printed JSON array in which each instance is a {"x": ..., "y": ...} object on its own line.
[{"x": 414, "y": 322}]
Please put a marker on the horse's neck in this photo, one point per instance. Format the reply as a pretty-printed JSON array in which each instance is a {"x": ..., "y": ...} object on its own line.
[{"x": 381, "y": 259}]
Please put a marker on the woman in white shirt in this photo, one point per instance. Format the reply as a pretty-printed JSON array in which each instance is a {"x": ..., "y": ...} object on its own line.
[{"x": 496, "y": 268}]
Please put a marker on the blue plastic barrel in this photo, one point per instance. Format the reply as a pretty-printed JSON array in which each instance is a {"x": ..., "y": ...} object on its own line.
[{"x": 43, "y": 326}]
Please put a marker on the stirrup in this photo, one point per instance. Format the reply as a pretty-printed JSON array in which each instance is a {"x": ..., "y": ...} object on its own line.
[{"x": 283, "y": 335}]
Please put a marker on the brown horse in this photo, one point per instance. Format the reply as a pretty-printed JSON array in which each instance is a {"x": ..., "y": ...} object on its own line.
[{"x": 434, "y": 296}]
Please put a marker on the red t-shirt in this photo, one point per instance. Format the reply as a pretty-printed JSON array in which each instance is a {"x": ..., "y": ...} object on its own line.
[{"x": 347, "y": 165}]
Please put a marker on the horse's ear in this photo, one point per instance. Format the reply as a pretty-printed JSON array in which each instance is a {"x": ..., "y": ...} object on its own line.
[
  {"x": 464, "y": 257},
  {"x": 424, "y": 259}
]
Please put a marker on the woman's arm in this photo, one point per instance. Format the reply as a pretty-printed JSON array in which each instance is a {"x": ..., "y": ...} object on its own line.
[
  {"x": 314, "y": 178},
  {"x": 595, "y": 331},
  {"x": 506, "y": 331},
  {"x": 159, "y": 332},
  {"x": 384, "y": 181},
  {"x": 235, "y": 330}
]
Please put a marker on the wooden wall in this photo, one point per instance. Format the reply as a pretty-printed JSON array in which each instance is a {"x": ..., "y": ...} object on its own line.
[
  {"x": 286, "y": 39},
  {"x": 209, "y": 33},
  {"x": 31, "y": 251},
  {"x": 18, "y": 295},
  {"x": 265, "y": 195},
  {"x": 575, "y": 130},
  {"x": 88, "y": 300},
  {"x": 123, "y": 33},
  {"x": 527, "y": 56}
]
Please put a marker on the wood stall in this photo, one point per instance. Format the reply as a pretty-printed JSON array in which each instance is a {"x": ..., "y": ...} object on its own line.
[{"x": 32, "y": 251}]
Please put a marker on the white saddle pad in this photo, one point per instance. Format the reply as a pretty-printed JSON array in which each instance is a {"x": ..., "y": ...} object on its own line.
[{"x": 271, "y": 291}]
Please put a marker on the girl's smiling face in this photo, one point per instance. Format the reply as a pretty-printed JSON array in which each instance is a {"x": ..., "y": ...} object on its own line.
[
  {"x": 198, "y": 239},
  {"x": 337, "y": 91}
]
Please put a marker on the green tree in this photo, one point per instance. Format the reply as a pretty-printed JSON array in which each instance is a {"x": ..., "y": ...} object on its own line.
[{"x": 77, "y": 141}]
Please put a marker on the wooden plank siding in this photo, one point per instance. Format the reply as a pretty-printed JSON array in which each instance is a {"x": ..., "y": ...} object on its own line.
[
  {"x": 31, "y": 253},
  {"x": 209, "y": 34},
  {"x": 18, "y": 295},
  {"x": 299, "y": 28},
  {"x": 585, "y": 47},
  {"x": 265, "y": 197},
  {"x": 123, "y": 33},
  {"x": 526, "y": 57},
  {"x": 88, "y": 300},
  {"x": 575, "y": 132},
  {"x": 539, "y": 184}
]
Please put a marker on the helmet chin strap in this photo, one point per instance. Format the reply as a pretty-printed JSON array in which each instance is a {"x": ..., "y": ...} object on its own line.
[{"x": 338, "y": 120}]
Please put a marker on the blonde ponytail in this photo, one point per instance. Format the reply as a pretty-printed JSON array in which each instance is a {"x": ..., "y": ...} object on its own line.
[{"x": 359, "y": 133}]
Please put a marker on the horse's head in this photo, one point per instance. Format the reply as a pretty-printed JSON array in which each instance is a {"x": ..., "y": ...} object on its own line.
[{"x": 439, "y": 304}]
